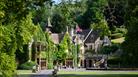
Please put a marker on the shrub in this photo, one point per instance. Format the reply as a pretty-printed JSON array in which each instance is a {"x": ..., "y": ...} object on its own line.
[
  {"x": 109, "y": 49},
  {"x": 114, "y": 61},
  {"x": 50, "y": 66},
  {"x": 27, "y": 65}
]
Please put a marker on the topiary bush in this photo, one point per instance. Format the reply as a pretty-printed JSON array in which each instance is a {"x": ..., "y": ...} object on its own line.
[{"x": 27, "y": 65}]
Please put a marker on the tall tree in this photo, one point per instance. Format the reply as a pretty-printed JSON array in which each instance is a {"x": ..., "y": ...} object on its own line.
[
  {"x": 42, "y": 13},
  {"x": 7, "y": 50},
  {"x": 114, "y": 13},
  {"x": 64, "y": 15},
  {"x": 16, "y": 29},
  {"x": 58, "y": 25},
  {"x": 130, "y": 46},
  {"x": 94, "y": 13}
]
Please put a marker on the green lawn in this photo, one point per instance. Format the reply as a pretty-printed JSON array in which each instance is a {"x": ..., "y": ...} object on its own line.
[
  {"x": 119, "y": 40},
  {"x": 24, "y": 73},
  {"x": 98, "y": 74},
  {"x": 28, "y": 73}
]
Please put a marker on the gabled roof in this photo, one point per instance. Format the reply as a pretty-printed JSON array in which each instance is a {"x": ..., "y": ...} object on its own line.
[
  {"x": 56, "y": 38},
  {"x": 91, "y": 38}
]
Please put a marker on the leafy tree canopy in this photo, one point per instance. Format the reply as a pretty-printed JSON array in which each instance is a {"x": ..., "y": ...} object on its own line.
[{"x": 130, "y": 45}]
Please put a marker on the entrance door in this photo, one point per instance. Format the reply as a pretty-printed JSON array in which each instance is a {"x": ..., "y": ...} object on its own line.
[
  {"x": 43, "y": 64},
  {"x": 90, "y": 63},
  {"x": 69, "y": 63}
]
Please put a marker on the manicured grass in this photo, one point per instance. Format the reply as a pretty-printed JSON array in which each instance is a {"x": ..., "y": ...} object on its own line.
[
  {"x": 98, "y": 74},
  {"x": 105, "y": 75},
  {"x": 119, "y": 40},
  {"x": 24, "y": 73}
]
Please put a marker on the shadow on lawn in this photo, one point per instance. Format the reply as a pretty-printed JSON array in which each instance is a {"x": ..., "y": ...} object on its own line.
[
  {"x": 27, "y": 75},
  {"x": 104, "y": 75}
]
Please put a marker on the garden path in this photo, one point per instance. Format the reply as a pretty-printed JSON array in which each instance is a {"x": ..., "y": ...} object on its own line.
[{"x": 43, "y": 73}]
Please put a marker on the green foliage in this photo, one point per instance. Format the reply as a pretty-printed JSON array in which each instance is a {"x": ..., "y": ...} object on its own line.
[
  {"x": 109, "y": 49},
  {"x": 20, "y": 8},
  {"x": 94, "y": 12},
  {"x": 16, "y": 30},
  {"x": 39, "y": 35},
  {"x": 64, "y": 49},
  {"x": 41, "y": 15},
  {"x": 93, "y": 17},
  {"x": 103, "y": 27},
  {"x": 7, "y": 65},
  {"x": 119, "y": 40},
  {"x": 65, "y": 14},
  {"x": 23, "y": 56},
  {"x": 7, "y": 50},
  {"x": 114, "y": 61},
  {"x": 2, "y": 5},
  {"x": 65, "y": 42},
  {"x": 130, "y": 46},
  {"x": 50, "y": 65},
  {"x": 5, "y": 35},
  {"x": 27, "y": 65},
  {"x": 50, "y": 49},
  {"x": 114, "y": 13},
  {"x": 26, "y": 29},
  {"x": 44, "y": 39},
  {"x": 121, "y": 30},
  {"x": 58, "y": 23},
  {"x": 60, "y": 55},
  {"x": 118, "y": 32}
]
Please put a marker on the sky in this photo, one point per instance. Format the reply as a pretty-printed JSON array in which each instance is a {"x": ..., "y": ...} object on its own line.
[{"x": 57, "y": 1}]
